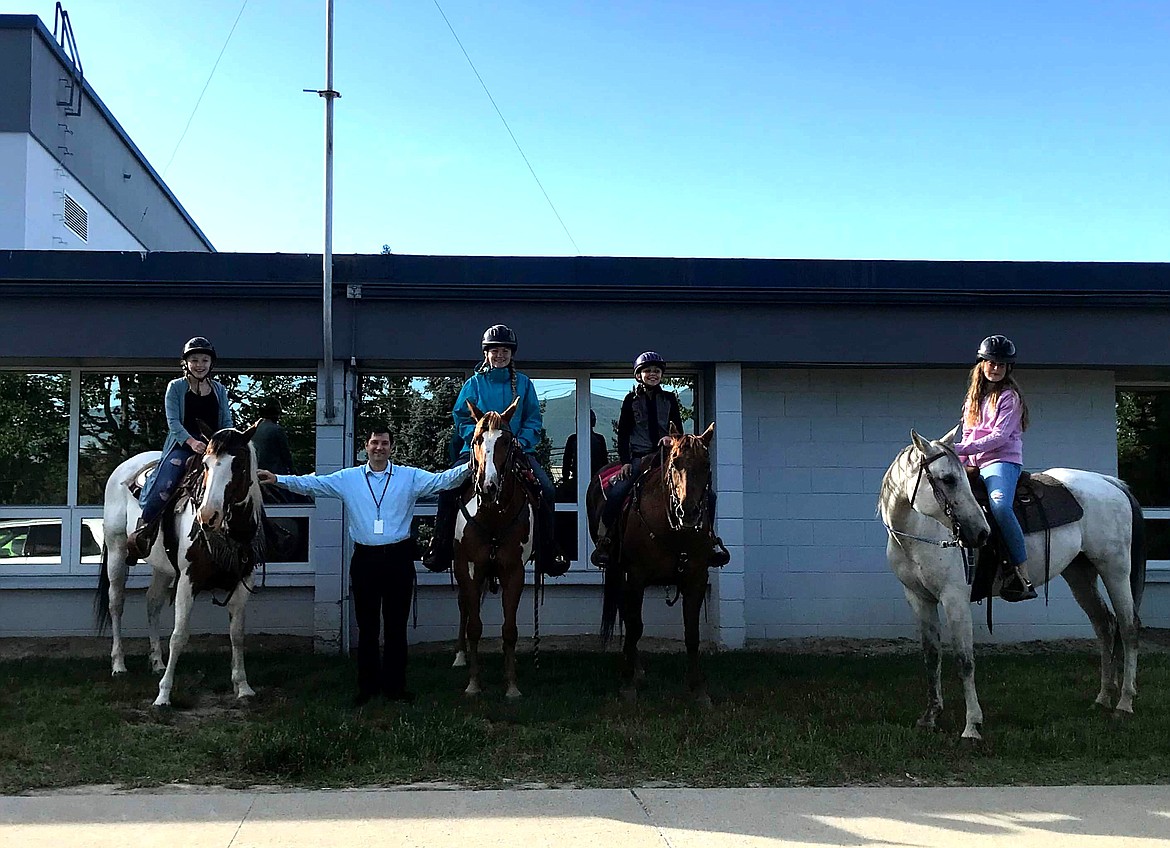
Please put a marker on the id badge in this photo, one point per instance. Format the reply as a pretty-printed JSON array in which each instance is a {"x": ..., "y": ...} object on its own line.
[{"x": 379, "y": 527}]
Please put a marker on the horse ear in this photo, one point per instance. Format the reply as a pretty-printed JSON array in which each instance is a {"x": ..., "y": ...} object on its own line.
[
  {"x": 251, "y": 431},
  {"x": 475, "y": 413},
  {"x": 673, "y": 432},
  {"x": 507, "y": 413},
  {"x": 949, "y": 438},
  {"x": 205, "y": 431},
  {"x": 708, "y": 435},
  {"x": 919, "y": 442}
]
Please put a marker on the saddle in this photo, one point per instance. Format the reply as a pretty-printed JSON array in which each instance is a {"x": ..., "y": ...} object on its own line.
[{"x": 1041, "y": 504}]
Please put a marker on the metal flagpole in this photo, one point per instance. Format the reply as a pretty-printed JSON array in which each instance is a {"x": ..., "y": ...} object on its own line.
[{"x": 327, "y": 256}]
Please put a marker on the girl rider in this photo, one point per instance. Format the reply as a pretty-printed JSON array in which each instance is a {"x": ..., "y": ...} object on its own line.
[
  {"x": 191, "y": 401},
  {"x": 492, "y": 388},
  {"x": 644, "y": 423},
  {"x": 995, "y": 417}
]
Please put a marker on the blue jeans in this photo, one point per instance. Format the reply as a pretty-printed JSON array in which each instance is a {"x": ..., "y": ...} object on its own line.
[
  {"x": 1001, "y": 479},
  {"x": 169, "y": 473}
]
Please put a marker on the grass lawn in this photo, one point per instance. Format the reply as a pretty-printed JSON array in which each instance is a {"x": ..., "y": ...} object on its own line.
[{"x": 779, "y": 720}]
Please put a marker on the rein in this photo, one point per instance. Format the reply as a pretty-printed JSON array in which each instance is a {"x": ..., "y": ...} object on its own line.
[
  {"x": 221, "y": 545},
  {"x": 943, "y": 501},
  {"x": 494, "y": 537}
]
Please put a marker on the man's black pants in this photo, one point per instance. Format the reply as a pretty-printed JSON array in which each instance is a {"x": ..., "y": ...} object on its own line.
[{"x": 382, "y": 577}]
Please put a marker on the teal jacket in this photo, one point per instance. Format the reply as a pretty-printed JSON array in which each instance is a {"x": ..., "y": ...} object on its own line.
[
  {"x": 176, "y": 405},
  {"x": 491, "y": 391}
]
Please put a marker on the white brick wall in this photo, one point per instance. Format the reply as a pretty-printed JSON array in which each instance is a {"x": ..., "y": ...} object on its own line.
[{"x": 816, "y": 444}]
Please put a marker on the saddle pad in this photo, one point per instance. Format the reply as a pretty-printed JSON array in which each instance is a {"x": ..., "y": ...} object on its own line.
[{"x": 605, "y": 475}]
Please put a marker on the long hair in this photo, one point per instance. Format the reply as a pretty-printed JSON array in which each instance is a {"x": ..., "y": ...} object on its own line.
[{"x": 979, "y": 388}]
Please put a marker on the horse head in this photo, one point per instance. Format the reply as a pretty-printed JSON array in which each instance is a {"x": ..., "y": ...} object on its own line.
[
  {"x": 686, "y": 473},
  {"x": 229, "y": 474},
  {"x": 491, "y": 449},
  {"x": 947, "y": 498}
]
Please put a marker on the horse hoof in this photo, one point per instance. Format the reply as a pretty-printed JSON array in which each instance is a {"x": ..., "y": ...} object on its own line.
[
  {"x": 512, "y": 694},
  {"x": 160, "y": 704},
  {"x": 460, "y": 660},
  {"x": 703, "y": 700},
  {"x": 1120, "y": 715},
  {"x": 472, "y": 691},
  {"x": 244, "y": 693},
  {"x": 118, "y": 672},
  {"x": 972, "y": 736}
]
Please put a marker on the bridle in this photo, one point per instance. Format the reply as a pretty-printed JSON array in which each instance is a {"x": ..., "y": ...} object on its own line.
[
  {"x": 943, "y": 501},
  {"x": 674, "y": 502},
  {"x": 509, "y": 464}
]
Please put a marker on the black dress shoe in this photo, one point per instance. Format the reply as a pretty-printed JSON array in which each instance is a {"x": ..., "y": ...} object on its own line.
[{"x": 403, "y": 697}]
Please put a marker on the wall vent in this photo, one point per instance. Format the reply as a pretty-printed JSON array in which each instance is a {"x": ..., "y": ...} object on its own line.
[{"x": 76, "y": 218}]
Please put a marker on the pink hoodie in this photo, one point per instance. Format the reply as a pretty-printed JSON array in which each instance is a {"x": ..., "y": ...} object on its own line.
[{"x": 998, "y": 436}]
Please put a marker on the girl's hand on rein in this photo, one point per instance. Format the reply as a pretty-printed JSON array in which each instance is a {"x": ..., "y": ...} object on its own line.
[{"x": 196, "y": 445}]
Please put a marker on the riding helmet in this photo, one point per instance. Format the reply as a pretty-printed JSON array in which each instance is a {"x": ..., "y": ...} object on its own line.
[
  {"x": 647, "y": 359},
  {"x": 499, "y": 335},
  {"x": 998, "y": 349},
  {"x": 199, "y": 345}
]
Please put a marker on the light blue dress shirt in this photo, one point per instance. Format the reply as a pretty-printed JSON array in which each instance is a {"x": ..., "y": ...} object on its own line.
[{"x": 361, "y": 488}]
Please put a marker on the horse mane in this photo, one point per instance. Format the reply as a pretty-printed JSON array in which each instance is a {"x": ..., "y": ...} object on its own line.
[{"x": 889, "y": 491}]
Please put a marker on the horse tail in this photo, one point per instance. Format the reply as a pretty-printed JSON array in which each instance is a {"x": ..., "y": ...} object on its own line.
[
  {"x": 1137, "y": 549},
  {"x": 615, "y": 586},
  {"x": 101, "y": 604}
]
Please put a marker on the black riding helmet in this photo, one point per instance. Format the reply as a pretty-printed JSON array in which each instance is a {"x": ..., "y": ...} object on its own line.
[
  {"x": 199, "y": 345},
  {"x": 997, "y": 349},
  {"x": 499, "y": 335},
  {"x": 647, "y": 359}
]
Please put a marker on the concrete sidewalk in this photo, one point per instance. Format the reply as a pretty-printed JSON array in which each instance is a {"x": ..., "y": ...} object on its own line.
[{"x": 1068, "y": 817}]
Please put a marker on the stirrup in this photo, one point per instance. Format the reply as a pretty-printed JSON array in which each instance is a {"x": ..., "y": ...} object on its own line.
[
  {"x": 433, "y": 561},
  {"x": 1018, "y": 588},
  {"x": 555, "y": 567},
  {"x": 602, "y": 554}
]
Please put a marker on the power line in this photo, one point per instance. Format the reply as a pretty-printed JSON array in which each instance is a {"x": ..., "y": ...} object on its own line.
[
  {"x": 531, "y": 170},
  {"x": 204, "y": 91}
]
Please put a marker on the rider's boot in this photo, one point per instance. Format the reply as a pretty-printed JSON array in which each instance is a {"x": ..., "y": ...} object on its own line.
[
  {"x": 1017, "y": 587},
  {"x": 603, "y": 548},
  {"x": 438, "y": 558},
  {"x": 549, "y": 560},
  {"x": 719, "y": 556},
  {"x": 139, "y": 542}
]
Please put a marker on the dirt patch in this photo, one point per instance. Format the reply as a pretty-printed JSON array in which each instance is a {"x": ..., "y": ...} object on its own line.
[
  {"x": 20, "y": 647},
  {"x": 1153, "y": 641}
]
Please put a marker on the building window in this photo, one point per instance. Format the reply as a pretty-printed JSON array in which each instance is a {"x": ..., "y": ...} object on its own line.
[
  {"x": 34, "y": 438},
  {"x": 1143, "y": 461}
]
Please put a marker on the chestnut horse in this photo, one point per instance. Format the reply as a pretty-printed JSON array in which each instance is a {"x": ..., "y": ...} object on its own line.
[
  {"x": 664, "y": 540},
  {"x": 493, "y": 539}
]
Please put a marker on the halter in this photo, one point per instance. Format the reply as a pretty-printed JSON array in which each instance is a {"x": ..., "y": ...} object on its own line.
[{"x": 943, "y": 501}]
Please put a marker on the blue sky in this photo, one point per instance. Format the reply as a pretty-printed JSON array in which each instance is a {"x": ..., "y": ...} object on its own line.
[{"x": 901, "y": 130}]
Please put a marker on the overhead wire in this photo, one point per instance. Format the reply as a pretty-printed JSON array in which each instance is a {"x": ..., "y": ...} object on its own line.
[
  {"x": 204, "y": 91},
  {"x": 504, "y": 120}
]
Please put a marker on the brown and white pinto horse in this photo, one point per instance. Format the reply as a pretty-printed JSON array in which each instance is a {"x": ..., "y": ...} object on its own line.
[
  {"x": 665, "y": 540},
  {"x": 218, "y": 530},
  {"x": 493, "y": 539}
]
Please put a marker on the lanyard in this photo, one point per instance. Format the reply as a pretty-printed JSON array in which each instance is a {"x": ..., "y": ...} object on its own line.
[{"x": 378, "y": 500}]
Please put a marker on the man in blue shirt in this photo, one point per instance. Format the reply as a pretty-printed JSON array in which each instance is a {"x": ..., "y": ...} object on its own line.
[{"x": 379, "y": 504}]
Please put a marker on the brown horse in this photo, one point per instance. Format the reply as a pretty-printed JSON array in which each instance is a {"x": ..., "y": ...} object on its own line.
[
  {"x": 664, "y": 539},
  {"x": 493, "y": 539}
]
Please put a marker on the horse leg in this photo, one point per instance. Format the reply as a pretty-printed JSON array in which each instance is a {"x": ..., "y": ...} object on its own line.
[
  {"x": 926, "y": 610},
  {"x": 957, "y": 606},
  {"x": 1081, "y": 578},
  {"x": 471, "y": 599},
  {"x": 632, "y": 617},
  {"x": 510, "y": 593},
  {"x": 184, "y": 599},
  {"x": 236, "y": 605},
  {"x": 116, "y": 570},
  {"x": 1121, "y": 596},
  {"x": 156, "y": 596},
  {"x": 461, "y": 643},
  {"x": 693, "y": 596}
]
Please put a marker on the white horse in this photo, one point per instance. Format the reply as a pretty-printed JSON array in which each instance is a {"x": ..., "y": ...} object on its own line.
[
  {"x": 929, "y": 511},
  {"x": 219, "y": 532}
]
